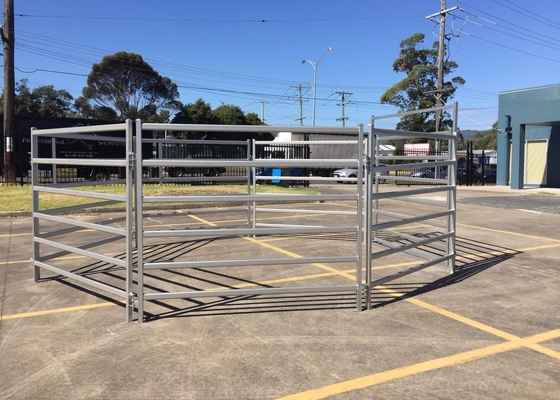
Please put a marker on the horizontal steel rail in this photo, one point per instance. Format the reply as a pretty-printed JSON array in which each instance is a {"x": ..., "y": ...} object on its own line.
[
  {"x": 78, "y": 207},
  {"x": 410, "y": 192},
  {"x": 430, "y": 222},
  {"x": 302, "y": 211},
  {"x": 249, "y": 128},
  {"x": 407, "y": 166},
  {"x": 81, "y": 129},
  {"x": 410, "y": 220},
  {"x": 195, "y": 141},
  {"x": 86, "y": 183},
  {"x": 77, "y": 250},
  {"x": 249, "y": 292},
  {"x": 434, "y": 157},
  {"x": 248, "y": 231},
  {"x": 408, "y": 271},
  {"x": 106, "y": 162},
  {"x": 258, "y": 163},
  {"x": 71, "y": 229},
  {"x": 247, "y": 197},
  {"x": 81, "y": 224},
  {"x": 420, "y": 200},
  {"x": 92, "y": 195},
  {"x": 393, "y": 249},
  {"x": 89, "y": 245},
  {"x": 79, "y": 278},
  {"x": 306, "y": 142},
  {"x": 411, "y": 134},
  {"x": 421, "y": 111},
  {"x": 248, "y": 262}
]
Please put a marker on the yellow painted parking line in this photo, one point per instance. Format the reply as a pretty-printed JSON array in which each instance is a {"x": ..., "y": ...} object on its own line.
[
  {"x": 426, "y": 366},
  {"x": 14, "y": 234},
  {"x": 294, "y": 255},
  {"x": 423, "y": 304},
  {"x": 509, "y": 232},
  {"x": 55, "y": 311},
  {"x": 546, "y": 246},
  {"x": 465, "y": 257},
  {"x": 285, "y": 252},
  {"x": 15, "y": 262},
  {"x": 467, "y": 321},
  {"x": 513, "y": 342}
]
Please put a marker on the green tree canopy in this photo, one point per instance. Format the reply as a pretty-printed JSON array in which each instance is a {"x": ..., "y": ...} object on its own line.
[
  {"x": 234, "y": 115},
  {"x": 129, "y": 85},
  {"x": 486, "y": 140},
  {"x": 198, "y": 112},
  {"x": 201, "y": 112},
  {"x": 228, "y": 114},
  {"x": 44, "y": 101},
  {"x": 418, "y": 90},
  {"x": 85, "y": 110}
]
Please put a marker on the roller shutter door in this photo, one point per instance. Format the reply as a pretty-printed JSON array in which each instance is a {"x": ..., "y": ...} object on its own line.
[{"x": 535, "y": 162}]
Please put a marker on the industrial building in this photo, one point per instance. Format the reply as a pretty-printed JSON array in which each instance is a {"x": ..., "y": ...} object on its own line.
[{"x": 529, "y": 138}]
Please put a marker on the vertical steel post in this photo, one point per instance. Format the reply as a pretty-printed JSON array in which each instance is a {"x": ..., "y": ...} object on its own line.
[
  {"x": 369, "y": 221},
  {"x": 452, "y": 194},
  {"x": 253, "y": 171},
  {"x": 359, "y": 217},
  {"x": 129, "y": 218},
  {"x": 35, "y": 204},
  {"x": 139, "y": 231},
  {"x": 53, "y": 155}
]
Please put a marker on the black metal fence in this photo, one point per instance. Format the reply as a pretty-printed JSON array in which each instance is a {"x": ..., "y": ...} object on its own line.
[{"x": 99, "y": 149}]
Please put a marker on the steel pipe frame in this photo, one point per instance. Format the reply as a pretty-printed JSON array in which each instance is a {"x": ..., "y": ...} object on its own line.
[
  {"x": 50, "y": 215},
  {"x": 249, "y": 199},
  {"x": 373, "y": 197},
  {"x": 134, "y": 200}
]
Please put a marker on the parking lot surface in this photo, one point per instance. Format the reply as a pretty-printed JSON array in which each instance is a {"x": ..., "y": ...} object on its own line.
[{"x": 491, "y": 330}]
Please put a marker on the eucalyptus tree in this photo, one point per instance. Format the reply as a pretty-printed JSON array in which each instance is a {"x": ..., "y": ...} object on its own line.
[{"x": 130, "y": 86}]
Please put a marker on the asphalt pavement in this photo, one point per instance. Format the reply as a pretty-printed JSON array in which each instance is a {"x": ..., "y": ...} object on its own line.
[{"x": 489, "y": 331}]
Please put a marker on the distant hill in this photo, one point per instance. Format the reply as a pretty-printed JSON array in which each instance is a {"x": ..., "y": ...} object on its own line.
[{"x": 468, "y": 134}]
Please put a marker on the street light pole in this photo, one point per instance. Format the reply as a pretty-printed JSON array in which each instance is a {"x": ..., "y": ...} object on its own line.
[{"x": 315, "y": 65}]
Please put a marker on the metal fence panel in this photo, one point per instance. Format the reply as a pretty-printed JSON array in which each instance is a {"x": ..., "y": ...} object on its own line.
[
  {"x": 413, "y": 222},
  {"x": 170, "y": 261}
]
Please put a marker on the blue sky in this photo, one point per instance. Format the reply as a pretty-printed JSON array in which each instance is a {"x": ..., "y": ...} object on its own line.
[{"x": 248, "y": 52}]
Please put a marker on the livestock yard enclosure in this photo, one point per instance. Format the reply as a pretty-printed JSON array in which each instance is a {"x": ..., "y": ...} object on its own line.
[{"x": 163, "y": 253}]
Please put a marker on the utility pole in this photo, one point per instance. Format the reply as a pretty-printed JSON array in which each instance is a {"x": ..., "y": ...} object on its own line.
[
  {"x": 7, "y": 33},
  {"x": 342, "y": 103},
  {"x": 439, "y": 96},
  {"x": 262, "y": 109},
  {"x": 301, "y": 101},
  {"x": 441, "y": 46}
]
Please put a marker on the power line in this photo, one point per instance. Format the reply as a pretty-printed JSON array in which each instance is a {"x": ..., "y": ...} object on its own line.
[
  {"x": 506, "y": 22},
  {"x": 218, "y": 20},
  {"x": 535, "y": 17},
  {"x": 49, "y": 70}
]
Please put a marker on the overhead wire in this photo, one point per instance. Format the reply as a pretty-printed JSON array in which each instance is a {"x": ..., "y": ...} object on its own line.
[
  {"x": 85, "y": 56},
  {"x": 530, "y": 14}
]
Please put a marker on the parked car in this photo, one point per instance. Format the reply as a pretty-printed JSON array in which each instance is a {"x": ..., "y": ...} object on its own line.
[
  {"x": 463, "y": 177},
  {"x": 195, "y": 171},
  {"x": 344, "y": 173},
  {"x": 429, "y": 172},
  {"x": 352, "y": 172},
  {"x": 489, "y": 176}
]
